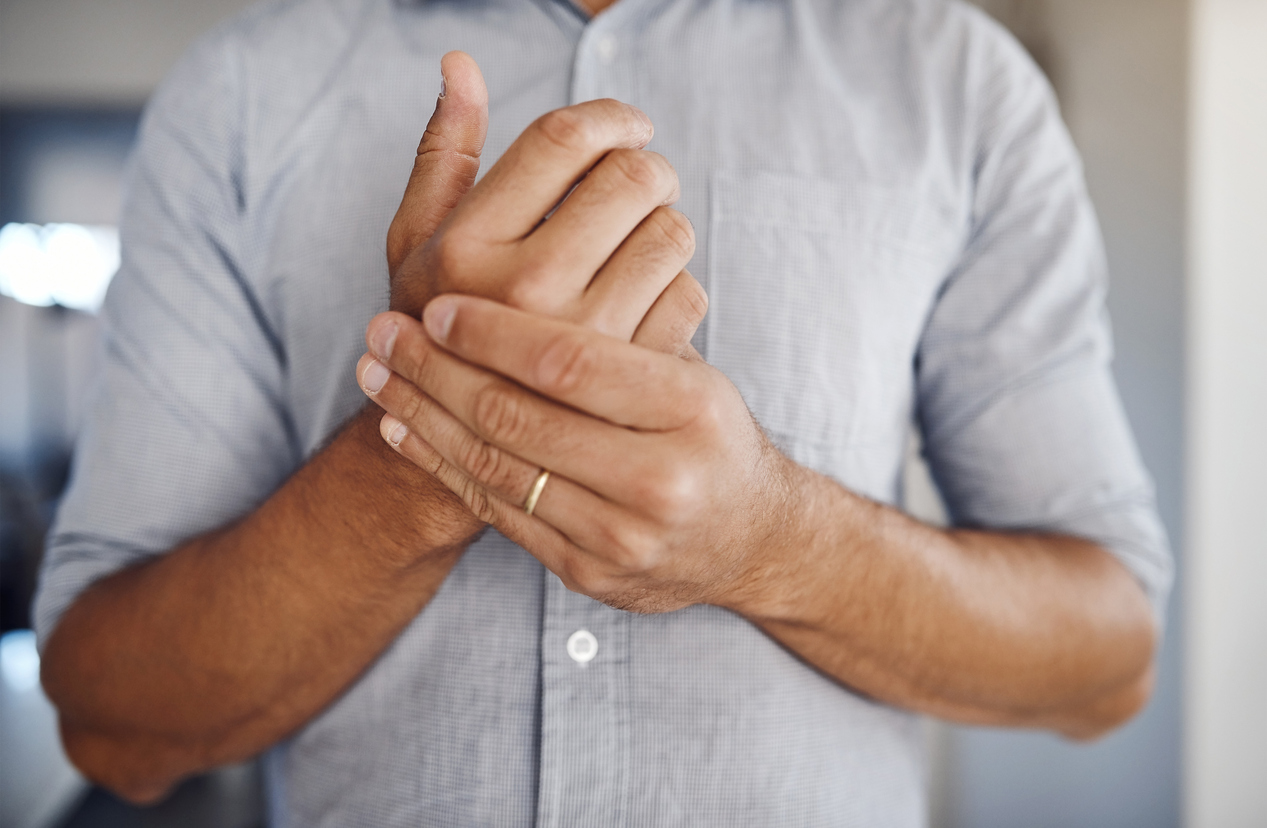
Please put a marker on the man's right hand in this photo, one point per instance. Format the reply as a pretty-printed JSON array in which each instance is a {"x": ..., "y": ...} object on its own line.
[
  {"x": 610, "y": 256},
  {"x": 226, "y": 644}
]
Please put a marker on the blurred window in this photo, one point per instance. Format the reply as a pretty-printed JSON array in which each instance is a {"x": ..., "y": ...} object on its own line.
[{"x": 58, "y": 264}]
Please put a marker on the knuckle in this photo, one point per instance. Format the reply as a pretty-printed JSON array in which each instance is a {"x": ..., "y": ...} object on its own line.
[
  {"x": 579, "y": 574},
  {"x": 478, "y": 501},
  {"x": 413, "y": 357},
  {"x": 644, "y": 170},
  {"x": 530, "y": 289},
  {"x": 523, "y": 293},
  {"x": 488, "y": 464},
  {"x": 694, "y": 301},
  {"x": 410, "y": 408},
  {"x": 706, "y": 415},
  {"x": 397, "y": 244},
  {"x": 710, "y": 411},
  {"x": 451, "y": 255},
  {"x": 676, "y": 231},
  {"x": 567, "y": 129},
  {"x": 674, "y": 495},
  {"x": 566, "y": 366},
  {"x": 435, "y": 465},
  {"x": 499, "y": 414},
  {"x": 602, "y": 585},
  {"x": 634, "y": 549}
]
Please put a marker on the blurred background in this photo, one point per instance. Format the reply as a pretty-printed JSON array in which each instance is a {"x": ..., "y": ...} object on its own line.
[{"x": 1167, "y": 100}]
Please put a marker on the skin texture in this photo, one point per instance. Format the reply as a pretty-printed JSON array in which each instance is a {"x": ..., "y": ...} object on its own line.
[
  {"x": 225, "y": 645},
  {"x": 665, "y": 493}
]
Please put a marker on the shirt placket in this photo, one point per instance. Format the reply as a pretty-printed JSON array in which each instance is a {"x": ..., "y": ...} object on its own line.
[
  {"x": 584, "y": 711},
  {"x": 585, "y": 678}
]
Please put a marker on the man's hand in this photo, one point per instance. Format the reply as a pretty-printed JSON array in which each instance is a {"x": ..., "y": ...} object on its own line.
[
  {"x": 611, "y": 256},
  {"x": 665, "y": 493},
  {"x": 572, "y": 222},
  {"x": 663, "y": 490}
]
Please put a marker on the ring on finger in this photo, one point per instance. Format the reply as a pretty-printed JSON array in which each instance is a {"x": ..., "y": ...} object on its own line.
[{"x": 534, "y": 494}]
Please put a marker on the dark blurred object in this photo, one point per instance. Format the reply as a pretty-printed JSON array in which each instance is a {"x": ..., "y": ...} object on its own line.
[
  {"x": 47, "y": 362},
  {"x": 22, "y": 528},
  {"x": 229, "y": 798}
]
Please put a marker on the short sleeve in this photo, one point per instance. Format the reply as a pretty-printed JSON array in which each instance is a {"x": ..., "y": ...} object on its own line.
[
  {"x": 1022, "y": 424},
  {"x": 188, "y": 428}
]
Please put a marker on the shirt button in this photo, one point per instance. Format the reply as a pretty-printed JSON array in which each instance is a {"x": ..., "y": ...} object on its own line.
[
  {"x": 606, "y": 48},
  {"x": 582, "y": 646}
]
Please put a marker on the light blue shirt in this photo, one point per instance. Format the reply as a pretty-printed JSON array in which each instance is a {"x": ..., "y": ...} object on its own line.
[{"x": 892, "y": 224}]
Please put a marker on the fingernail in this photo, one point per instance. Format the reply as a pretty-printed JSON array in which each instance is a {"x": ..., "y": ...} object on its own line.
[
  {"x": 438, "y": 317},
  {"x": 645, "y": 119},
  {"x": 383, "y": 339},
  {"x": 375, "y": 377},
  {"x": 393, "y": 430},
  {"x": 444, "y": 87}
]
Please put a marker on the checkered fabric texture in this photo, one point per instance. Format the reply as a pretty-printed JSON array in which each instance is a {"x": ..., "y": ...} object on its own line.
[{"x": 892, "y": 225}]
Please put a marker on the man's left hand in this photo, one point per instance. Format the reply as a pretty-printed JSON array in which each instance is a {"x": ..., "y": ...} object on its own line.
[{"x": 663, "y": 493}]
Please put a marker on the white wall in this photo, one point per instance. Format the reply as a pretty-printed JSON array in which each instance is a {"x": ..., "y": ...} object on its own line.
[
  {"x": 1227, "y": 543},
  {"x": 94, "y": 52}
]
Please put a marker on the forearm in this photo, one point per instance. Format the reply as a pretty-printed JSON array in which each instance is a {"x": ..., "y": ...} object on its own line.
[
  {"x": 222, "y": 647},
  {"x": 977, "y": 627}
]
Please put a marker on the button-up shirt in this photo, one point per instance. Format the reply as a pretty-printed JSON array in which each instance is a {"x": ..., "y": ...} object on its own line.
[{"x": 892, "y": 228}]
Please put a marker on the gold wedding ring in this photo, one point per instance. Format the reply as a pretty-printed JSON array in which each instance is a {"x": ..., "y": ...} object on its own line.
[{"x": 534, "y": 494}]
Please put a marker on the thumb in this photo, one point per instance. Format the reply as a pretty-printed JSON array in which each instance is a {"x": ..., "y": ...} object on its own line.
[{"x": 448, "y": 157}]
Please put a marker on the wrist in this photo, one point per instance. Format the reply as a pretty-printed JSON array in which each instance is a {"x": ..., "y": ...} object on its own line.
[
  {"x": 788, "y": 533},
  {"x": 430, "y": 520}
]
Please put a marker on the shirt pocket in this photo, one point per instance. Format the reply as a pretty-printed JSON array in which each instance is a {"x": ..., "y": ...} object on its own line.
[{"x": 818, "y": 292}]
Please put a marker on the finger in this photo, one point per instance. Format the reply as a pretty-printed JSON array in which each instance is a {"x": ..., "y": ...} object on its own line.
[
  {"x": 672, "y": 321},
  {"x": 418, "y": 451},
  {"x": 628, "y": 285},
  {"x": 597, "y": 217},
  {"x": 508, "y": 421},
  {"x": 585, "y": 518},
  {"x": 544, "y": 163},
  {"x": 589, "y": 520},
  {"x": 574, "y": 533},
  {"x": 532, "y": 532},
  {"x": 616, "y": 381},
  {"x": 491, "y": 466},
  {"x": 448, "y": 157}
]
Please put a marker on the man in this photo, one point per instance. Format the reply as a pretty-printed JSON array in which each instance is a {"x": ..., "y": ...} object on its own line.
[{"x": 704, "y": 613}]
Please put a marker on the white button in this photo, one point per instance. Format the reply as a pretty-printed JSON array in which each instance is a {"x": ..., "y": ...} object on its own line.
[
  {"x": 606, "y": 48},
  {"x": 582, "y": 646}
]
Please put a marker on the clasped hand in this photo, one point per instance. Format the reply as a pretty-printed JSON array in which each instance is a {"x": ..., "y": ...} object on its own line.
[
  {"x": 664, "y": 491},
  {"x": 569, "y": 350}
]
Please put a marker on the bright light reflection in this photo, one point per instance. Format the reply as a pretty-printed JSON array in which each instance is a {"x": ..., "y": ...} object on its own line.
[
  {"x": 58, "y": 264},
  {"x": 19, "y": 660}
]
